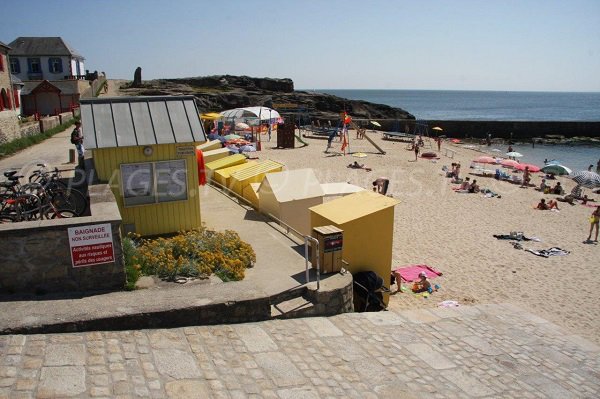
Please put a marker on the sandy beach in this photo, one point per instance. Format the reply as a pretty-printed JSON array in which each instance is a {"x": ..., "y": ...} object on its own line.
[{"x": 454, "y": 232}]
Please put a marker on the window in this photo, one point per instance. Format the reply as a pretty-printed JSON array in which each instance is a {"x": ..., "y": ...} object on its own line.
[
  {"x": 15, "y": 67},
  {"x": 55, "y": 65},
  {"x": 34, "y": 65},
  {"x": 154, "y": 182}
]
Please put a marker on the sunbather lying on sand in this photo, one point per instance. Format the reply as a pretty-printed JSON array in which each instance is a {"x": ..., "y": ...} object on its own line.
[{"x": 356, "y": 165}]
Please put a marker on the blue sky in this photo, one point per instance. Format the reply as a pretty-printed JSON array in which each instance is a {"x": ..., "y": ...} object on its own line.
[{"x": 328, "y": 44}]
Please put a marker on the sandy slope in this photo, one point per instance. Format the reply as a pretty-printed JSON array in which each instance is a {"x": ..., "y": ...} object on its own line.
[{"x": 453, "y": 232}]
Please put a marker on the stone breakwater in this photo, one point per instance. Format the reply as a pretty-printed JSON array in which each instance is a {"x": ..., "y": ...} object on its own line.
[{"x": 548, "y": 131}]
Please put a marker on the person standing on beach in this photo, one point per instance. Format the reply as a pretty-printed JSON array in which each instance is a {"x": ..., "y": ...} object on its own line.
[
  {"x": 77, "y": 139},
  {"x": 590, "y": 168},
  {"x": 416, "y": 148},
  {"x": 594, "y": 221}
]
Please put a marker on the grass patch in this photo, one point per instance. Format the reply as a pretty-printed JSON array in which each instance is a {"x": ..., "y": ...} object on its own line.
[{"x": 25, "y": 142}]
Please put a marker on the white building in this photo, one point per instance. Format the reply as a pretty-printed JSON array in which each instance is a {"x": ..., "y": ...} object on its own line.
[{"x": 45, "y": 58}]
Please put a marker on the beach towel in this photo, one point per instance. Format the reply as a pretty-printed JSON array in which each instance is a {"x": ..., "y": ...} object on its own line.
[
  {"x": 201, "y": 168},
  {"x": 554, "y": 251},
  {"x": 411, "y": 273}
]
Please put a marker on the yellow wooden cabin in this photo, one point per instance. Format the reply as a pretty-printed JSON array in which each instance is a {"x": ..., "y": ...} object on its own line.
[
  {"x": 367, "y": 219},
  {"x": 145, "y": 148}
]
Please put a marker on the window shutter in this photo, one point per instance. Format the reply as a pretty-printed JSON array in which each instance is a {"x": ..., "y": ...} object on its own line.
[
  {"x": 1, "y": 62},
  {"x": 16, "y": 96}
]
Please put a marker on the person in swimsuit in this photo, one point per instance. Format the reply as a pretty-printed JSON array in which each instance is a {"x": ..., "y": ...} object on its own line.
[{"x": 594, "y": 221}]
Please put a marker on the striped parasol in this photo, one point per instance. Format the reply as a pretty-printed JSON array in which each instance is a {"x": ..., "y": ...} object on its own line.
[{"x": 586, "y": 179}]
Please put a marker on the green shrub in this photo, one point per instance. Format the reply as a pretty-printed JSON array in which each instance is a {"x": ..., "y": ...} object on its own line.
[{"x": 132, "y": 268}]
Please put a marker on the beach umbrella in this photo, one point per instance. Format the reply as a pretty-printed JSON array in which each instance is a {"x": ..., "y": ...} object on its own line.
[
  {"x": 514, "y": 154},
  {"x": 509, "y": 163},
  {"x": 211, "y": 116},
  {"x": 437, "y": 128},
  {"x": 242, "y": 126},
  {"x": 532, "y": 168},
  {"x": 556, "y": 169},
  {"x": 586, "y": 179},
  {"x": 232, "y": 137},
  {"x": 375, "y": 123},
  {"x": 484, "y": 159}
]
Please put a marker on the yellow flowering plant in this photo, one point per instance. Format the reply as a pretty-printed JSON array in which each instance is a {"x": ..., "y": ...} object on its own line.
[{"x": 195, "y": 253}]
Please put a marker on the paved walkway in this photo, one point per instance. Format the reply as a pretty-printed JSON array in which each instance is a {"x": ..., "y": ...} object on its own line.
[{"x": 485, "y": 351}]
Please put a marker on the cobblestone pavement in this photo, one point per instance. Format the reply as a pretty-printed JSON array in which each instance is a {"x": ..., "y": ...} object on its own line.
[{"x": 480, "y": 351}]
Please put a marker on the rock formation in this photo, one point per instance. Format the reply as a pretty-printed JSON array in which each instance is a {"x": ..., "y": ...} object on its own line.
[
  {"x": 221, "y": 92},
  {"x": 137, "y": 77}
]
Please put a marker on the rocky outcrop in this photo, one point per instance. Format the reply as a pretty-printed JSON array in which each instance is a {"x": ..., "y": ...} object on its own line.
[{"x": 221, "y": 92}]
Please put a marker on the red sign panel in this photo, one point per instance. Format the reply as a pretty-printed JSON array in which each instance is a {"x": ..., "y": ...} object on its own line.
[{"x": 91, "y": 245}]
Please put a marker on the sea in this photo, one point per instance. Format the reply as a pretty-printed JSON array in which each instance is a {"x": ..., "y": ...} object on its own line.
[{"x": 498, "y": 106}]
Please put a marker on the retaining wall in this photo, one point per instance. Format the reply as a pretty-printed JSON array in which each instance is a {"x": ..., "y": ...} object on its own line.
[
  {"x": 49, "y": 122},
  {"x": 36, "y": 256}
]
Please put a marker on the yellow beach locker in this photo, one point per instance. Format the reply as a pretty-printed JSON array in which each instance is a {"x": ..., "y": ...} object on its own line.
[
  {"x": 367, "y": 219},
  {"x": 223, "y": 176},
  {"x": 222, "y": 163},
  {"x": 240, "y": 180}
]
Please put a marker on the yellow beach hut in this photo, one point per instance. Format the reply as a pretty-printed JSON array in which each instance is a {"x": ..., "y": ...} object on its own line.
[
  {"x": 145, "y": 148},
  {"x": 367, "y": 219}
]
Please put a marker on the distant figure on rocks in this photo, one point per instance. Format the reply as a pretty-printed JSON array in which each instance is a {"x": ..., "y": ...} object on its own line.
[{"x": 137, "y": 77}]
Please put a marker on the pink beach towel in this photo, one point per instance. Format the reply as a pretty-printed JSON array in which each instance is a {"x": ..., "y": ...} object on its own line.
[{"x": 411, "y": 273}]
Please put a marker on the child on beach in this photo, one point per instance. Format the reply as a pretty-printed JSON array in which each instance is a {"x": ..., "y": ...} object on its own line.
[{"x": 423, "y": 285}]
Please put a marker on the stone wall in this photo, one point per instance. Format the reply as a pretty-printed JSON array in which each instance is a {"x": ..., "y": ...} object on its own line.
[
  {"x": 9, "y": 126},
  {"x": 49, "y": 122},
  {"x": 65, "y": 117},
  {"x": 31, "y": 129},
  {"x": 36, "y": 257}
]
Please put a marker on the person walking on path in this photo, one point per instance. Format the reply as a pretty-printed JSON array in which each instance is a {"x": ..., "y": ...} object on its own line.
[
  {"x": 77, "y": 139},
  {"x": 416, "y": 148},
  {"x": 594, "y": 221}
]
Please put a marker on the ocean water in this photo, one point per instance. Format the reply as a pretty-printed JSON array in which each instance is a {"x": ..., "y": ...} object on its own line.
[
  {"x": 484, "y": 105},
  {"x": 499, "y": 106},
  {"x": 575, "y": 157}
]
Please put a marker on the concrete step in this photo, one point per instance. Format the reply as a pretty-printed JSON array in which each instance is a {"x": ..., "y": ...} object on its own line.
[{"x": 292, "y": 308}]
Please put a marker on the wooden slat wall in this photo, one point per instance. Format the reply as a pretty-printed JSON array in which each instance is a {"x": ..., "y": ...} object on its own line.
[{"x": 152, "y": 218}]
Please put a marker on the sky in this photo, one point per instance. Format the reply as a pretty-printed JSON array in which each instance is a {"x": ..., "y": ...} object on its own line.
[{"x": 508, "y": 45}]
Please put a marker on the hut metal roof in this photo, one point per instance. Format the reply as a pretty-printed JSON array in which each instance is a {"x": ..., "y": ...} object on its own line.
[{"x": 109, "y": 122}]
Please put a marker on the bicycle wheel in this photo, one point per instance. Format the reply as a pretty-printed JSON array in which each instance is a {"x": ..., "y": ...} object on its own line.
[
  {"x": 70, "y": 199},
  {"x": 61, "y": 214}
]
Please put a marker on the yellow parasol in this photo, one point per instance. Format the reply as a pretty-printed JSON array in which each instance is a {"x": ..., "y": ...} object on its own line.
[
  {"x": 211, "y": 116},
  {"x": 437, "y": 128},
  {"x": 376, "y": 123}
]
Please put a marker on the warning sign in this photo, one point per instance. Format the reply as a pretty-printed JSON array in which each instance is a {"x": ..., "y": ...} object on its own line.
[{"x": 91, "y": 245}]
